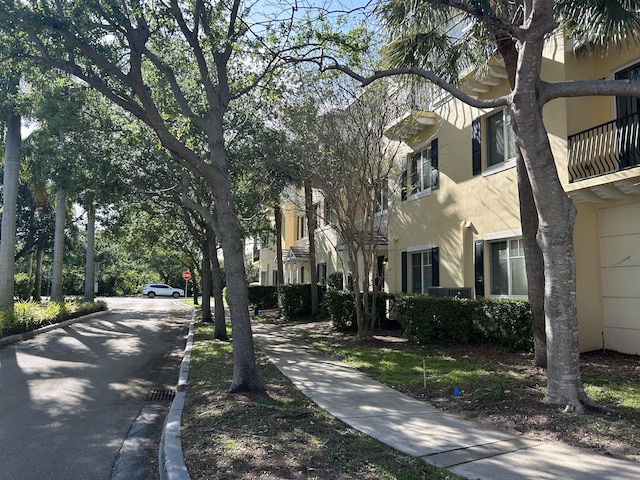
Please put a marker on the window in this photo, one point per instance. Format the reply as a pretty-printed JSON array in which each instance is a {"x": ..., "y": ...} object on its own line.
[
  {"x": 628, "y": 117},
  {"x": 322, "y": 273},
  {"x": 316, "y": 216},
  {"x": 628, "y": 105},
  {"x": 421, "y": 271},
  {"x": 301, "y": 227},
  {"x": 382, "y": 196},
  {"x": 422, "y": 171},
  {"x": 507, "y": 268},
  {"x": 500, "y": 138},
  {"x": 328, "y": 214}
]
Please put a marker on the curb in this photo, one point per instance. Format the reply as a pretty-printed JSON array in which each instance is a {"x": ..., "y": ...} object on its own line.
[
  {"x": 27, "y": 335},
  {"x": 171, "y": 465}
]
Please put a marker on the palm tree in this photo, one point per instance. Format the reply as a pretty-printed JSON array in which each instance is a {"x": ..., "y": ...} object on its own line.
[
  {"x": 414, "y": 33},
  {"x": 10, "y": 183},
  {"x": 432, "y": 41}
]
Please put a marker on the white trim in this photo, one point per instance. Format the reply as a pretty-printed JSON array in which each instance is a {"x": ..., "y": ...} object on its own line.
[
  {"x": 419, "y": 248},
  {"x": 499, "y": 167},
  {"x": 418, "y": 195},
  {"x": 624, "y": 67},
  {"x": 509, "y": 234}
]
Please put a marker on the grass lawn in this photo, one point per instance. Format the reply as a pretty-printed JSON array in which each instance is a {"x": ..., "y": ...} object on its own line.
[{"x": 279, "y": 434}]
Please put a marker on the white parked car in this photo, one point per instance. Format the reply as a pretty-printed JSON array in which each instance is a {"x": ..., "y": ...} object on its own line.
[{"x": 161, "y": 290}]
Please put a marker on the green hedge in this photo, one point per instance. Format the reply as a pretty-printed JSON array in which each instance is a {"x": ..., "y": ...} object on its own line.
[
  {"x": 263, "y": 296},
  {"x": 295, "y": 300},
  {"x": 457, "y": 320},
  {"x": 341, "y": 308},
  {"x": 506, "y": 322},
  {"x": 426, "y": 319},
  {"x": 23, "y": 286}
]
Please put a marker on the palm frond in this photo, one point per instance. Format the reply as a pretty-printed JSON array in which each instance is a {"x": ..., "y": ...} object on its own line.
[{"x": 600, "y": 23}]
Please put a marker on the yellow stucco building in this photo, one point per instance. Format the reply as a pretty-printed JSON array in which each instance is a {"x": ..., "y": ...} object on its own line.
[{"x": 453, "y": 218}]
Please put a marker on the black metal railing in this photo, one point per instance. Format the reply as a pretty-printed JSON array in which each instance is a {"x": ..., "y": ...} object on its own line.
[{"x": 606, "y": 148}]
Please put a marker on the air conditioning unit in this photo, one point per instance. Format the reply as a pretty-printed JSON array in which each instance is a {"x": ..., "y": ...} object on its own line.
[{"x": 459, "y": 292}]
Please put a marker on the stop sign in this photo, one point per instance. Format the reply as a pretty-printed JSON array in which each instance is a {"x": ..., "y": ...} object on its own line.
[{"x": 186, "y": 275}]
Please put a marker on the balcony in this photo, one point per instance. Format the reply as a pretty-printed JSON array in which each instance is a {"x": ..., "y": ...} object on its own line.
[
  {"x": 409, "y": 125},
  {"x": 607, "y": 148}
]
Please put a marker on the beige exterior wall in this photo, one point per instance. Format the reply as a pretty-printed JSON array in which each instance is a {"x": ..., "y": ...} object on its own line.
[
  {"x": 298, "y": 271},
  {"x": 466, "y": 208}
]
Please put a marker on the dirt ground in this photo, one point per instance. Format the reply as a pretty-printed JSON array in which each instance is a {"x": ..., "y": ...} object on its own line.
[{"x": 519, "y": 405}]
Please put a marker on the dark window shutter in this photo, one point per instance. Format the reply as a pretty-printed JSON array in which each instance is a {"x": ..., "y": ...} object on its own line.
[
  {"x": 476, "y": 151},
  {"x": 403, "y": 192},
  {"x": 434, "y": 164},
  {"x": 404, "y": 272},
  {"x": 478, "y": 248},
  {"x": 414, "y": 173},
  {"x": 435, "y": 267}
]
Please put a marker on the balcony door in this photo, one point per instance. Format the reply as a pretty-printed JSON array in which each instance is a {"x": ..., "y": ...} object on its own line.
[
  {"x": 628, "y": 105},
  {"x": 628, "y": 121}
]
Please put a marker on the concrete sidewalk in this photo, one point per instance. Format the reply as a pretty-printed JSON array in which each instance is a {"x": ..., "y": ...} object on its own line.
[{"x": 420, "y": 430}]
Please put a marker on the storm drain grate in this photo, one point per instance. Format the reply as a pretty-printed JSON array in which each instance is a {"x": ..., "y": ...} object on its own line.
[{"x": 161, "y": 395}]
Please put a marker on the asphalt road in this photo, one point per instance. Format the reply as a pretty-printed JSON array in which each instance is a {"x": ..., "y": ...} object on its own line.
[{"x": 69, "y": 397}]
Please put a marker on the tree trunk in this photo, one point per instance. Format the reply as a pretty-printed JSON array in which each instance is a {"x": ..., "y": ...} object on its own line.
[
  {"x": 89, "y": 267},
  {"x": 245, "y": 373},
  {"x": 194, "y": 286},
  {"x": 313, "y": 273},
  {"x": 37, "y": 284},
  {"x": 534, "y": 263},
  {"x": 361, "y": 319},
  {"x": 277, "y": 213},
  {"x": 219, "y": 322},
  {"x": 58, "y": 246},
  {"x": 206, "y": 282},
  {"x": 556, "y": 215},
  {"x": 9, "y": 210}
]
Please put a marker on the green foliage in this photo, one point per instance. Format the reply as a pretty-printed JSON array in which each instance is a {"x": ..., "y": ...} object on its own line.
[
  {"x": 335, "y": 280},
  {"x": 295, "y": 300},
  {"x": 426, "y": 319},
  {"x": 341, "y": 309},
  {"x": 252, "y": 272},
  {"x": 264, "y": 296},
  {"x": 29, "y": 315},
  {"x": 435, "y": 319},
  {"x": 23, "y": 286},
  {"x": 505, "y": 322}
]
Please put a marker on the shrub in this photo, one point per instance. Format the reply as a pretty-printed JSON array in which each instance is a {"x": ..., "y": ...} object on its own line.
[
  {"x": 341, "y": 309},
  {"x": 504, "y": 322},
  {"x": 426, "y": 319},
  {"x": 335, "y": 280},
  {"x": 23, "y": 286},
  {"x": 295, "y": 300},
  {"x": 264, "y": 296},
  {"x": 27, "y": 316}
]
